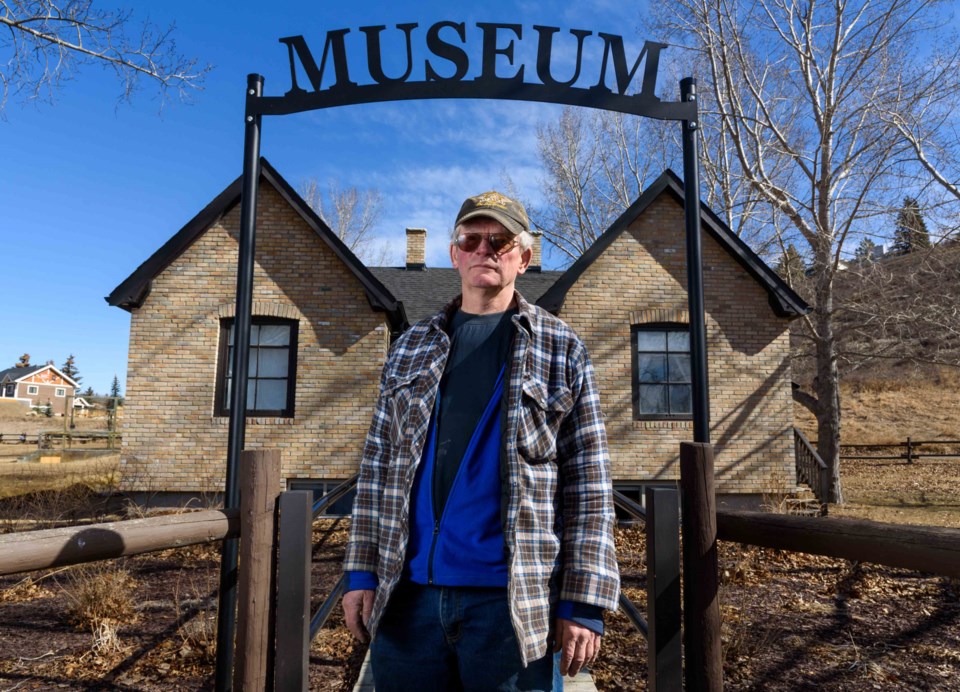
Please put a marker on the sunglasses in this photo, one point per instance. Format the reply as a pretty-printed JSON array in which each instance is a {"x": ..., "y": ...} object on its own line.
[{"x": 499, "y": 242}]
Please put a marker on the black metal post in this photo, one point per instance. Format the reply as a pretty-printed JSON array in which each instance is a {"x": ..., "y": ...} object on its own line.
[
  {"x": 698, "y": 338},
  {"x": 227, "y": 611},
  {"x": 664, "y": 663},
  {"x": 293, "y": 596}
]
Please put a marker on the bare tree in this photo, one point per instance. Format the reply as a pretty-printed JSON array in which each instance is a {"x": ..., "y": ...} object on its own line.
[
  {"x": 46, "y": 41},
  {"x": 595, "y": 166},
  {"x": 802, "y": 92},
  {"x": 352, "y": 215},
  {"x": 901, "y": 310}
]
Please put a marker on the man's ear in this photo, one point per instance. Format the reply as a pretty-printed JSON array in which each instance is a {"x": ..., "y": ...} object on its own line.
[
  {"x": 453, "y": 255},
  {"x": 525, "y": 257}
]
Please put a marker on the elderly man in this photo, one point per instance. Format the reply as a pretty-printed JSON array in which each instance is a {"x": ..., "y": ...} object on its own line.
[{"x": 482, "y": 527}]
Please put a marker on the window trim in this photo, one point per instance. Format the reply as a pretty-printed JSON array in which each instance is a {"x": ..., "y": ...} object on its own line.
[
  {"x": 634, "y": 366},
  {"x": 223, "y": 349},
  {"x": 35, "y": 388},
  {"x": 60, "y": 392}
]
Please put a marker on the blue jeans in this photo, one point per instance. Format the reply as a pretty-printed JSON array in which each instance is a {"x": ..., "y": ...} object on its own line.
[{"x": 453, "y": 638}]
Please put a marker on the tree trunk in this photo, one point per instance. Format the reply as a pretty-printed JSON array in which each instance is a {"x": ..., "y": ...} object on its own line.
[{"x": 827, "y": 382}]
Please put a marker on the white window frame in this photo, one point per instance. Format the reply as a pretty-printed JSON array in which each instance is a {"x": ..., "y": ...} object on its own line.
[
  {"x": 60, "y": 392},
  {"x": 33, "y": 390}
]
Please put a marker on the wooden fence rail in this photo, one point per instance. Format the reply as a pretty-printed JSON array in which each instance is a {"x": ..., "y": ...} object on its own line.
[
  {"x": 925, "y": 548},
  {"x": 72, "y": 545},
  {"x": 909, "y": 446}
]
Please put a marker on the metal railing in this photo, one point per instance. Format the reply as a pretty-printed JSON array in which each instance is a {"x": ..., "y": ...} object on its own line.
[{"x": 298, "y": 512}]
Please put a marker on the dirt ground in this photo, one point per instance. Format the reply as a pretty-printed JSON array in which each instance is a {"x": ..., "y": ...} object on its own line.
[
  {"x": 167, "y": 642},
  {"x": 790, "y": 622}
]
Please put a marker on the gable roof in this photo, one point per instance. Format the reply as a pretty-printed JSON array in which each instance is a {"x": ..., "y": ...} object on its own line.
[
  {"x": 135, "y": 288},
  {"x": 425, "y": 291},
  {"x": 784, "y": 301},
  {"x": 16, "y": 374}
]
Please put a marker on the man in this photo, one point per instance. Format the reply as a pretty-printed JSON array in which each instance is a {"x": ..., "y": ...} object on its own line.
[{"x": 482, "y": 527}]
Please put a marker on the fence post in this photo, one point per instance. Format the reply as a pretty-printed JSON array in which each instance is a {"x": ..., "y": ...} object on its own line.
[
  {"x": 259, "y": 488},
  {"x": 701, "y": 607},
  {"x": 293, "y": 599},
  {"x": 909, "y": 451},
  {"x": 664, "y": 663}
]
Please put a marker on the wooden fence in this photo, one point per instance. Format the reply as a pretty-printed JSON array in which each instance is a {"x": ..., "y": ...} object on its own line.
[
  {"x": 262, "y": 631},
  {"x": 927, "y": 549},
  {"x": 254, "y": 523},
  {"x": 911, "y": 450}
]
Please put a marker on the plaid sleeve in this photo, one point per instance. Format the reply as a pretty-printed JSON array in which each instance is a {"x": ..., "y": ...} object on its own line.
[
  {"x": 590, "y": 573},
  {"x": 362, "y": 545}
]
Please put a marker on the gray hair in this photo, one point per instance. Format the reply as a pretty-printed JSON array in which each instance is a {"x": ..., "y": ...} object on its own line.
[{"x": 524, "y": 240}]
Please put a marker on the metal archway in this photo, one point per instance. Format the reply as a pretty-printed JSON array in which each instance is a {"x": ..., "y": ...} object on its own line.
[{"x": 444, "y": 53}]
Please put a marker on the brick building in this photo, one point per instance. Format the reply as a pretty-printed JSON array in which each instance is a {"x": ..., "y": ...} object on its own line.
[{"x": 323, "y": 323}]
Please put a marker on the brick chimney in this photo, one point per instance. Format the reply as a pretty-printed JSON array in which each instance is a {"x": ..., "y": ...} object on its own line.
[
  {"x": 535, "y": 261},
  {"x": 416, "y": 248}
]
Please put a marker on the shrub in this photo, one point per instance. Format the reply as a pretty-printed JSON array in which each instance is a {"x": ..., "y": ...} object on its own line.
[{"x": 98, "y": 593}]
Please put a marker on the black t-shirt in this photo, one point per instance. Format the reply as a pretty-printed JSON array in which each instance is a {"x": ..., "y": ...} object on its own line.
[{"x": 479, "y": 348}]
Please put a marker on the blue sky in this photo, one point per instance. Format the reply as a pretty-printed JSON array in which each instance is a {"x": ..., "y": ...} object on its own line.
[{"x": 92, "y": 188}]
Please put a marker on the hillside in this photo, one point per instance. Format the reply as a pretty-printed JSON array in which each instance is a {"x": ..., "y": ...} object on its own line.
[{"x": 898, "y": 327}]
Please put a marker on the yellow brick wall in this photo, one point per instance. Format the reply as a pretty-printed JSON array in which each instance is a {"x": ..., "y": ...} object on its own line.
[
  {"x": 172, "y": 441},
  {"x": 642, "y": 277}
]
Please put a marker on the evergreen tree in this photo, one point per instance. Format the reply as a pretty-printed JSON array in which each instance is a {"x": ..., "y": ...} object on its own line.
[
  {"x": 24, "y": 361},
  {"x": 115, "y": 400},
  {"x": 69, "y": 368},
  {"x": 791, "y": 266},
  {"x": 864, "y": 251},
  {"x": 88, "y": 392},
  {"x": 911, "y": 232}
]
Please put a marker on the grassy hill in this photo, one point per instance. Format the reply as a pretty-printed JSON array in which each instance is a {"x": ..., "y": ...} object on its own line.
[{"x": 898, "y": 326}]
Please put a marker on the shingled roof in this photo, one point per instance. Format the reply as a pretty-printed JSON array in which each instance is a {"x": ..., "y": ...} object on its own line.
[
  {"x": 408, "y": 295},
  {"x": 18, "y": 373},
  {"x": 424, "y": 291},
  {"x": 13, "y": 374}
]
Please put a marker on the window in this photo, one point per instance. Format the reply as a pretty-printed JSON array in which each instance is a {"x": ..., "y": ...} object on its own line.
[
  {"x": 271, "y": 374},
  {"x": 59, "y": 391},
  {"x": 661, "y": 372},
  {"x": 33, "y": 389}
]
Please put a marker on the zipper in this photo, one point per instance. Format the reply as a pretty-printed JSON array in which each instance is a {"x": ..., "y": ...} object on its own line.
[
  {"x": 433, "y": 547},
  {"x": 460, "y": 472}
]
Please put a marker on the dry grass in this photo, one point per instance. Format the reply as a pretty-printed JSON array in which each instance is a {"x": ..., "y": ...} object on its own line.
[
  {"x": 919, "y": 405},
  {"x": 885, "y": 411},
  {"x": 98, "y": 592},
  {"x": 100, "y": 474},
  {"x": 101, "y": 598}
]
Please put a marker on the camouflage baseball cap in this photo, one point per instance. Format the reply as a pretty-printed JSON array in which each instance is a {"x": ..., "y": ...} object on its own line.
[{"x": 497, "y": 206}]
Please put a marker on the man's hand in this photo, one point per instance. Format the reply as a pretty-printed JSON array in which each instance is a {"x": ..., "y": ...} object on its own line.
[
  {"x": 357, "y": 606},
  {"x": 580, "y": 646}
]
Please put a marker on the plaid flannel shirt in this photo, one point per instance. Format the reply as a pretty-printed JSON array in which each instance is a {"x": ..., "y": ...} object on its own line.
[{"x": 559, "y": 509}]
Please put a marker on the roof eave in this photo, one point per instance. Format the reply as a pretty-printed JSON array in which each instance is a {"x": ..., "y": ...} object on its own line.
[{"x": 783, "y": 300}]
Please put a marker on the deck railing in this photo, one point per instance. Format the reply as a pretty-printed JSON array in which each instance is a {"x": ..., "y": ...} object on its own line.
[{"x": 811, "y": 469}]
